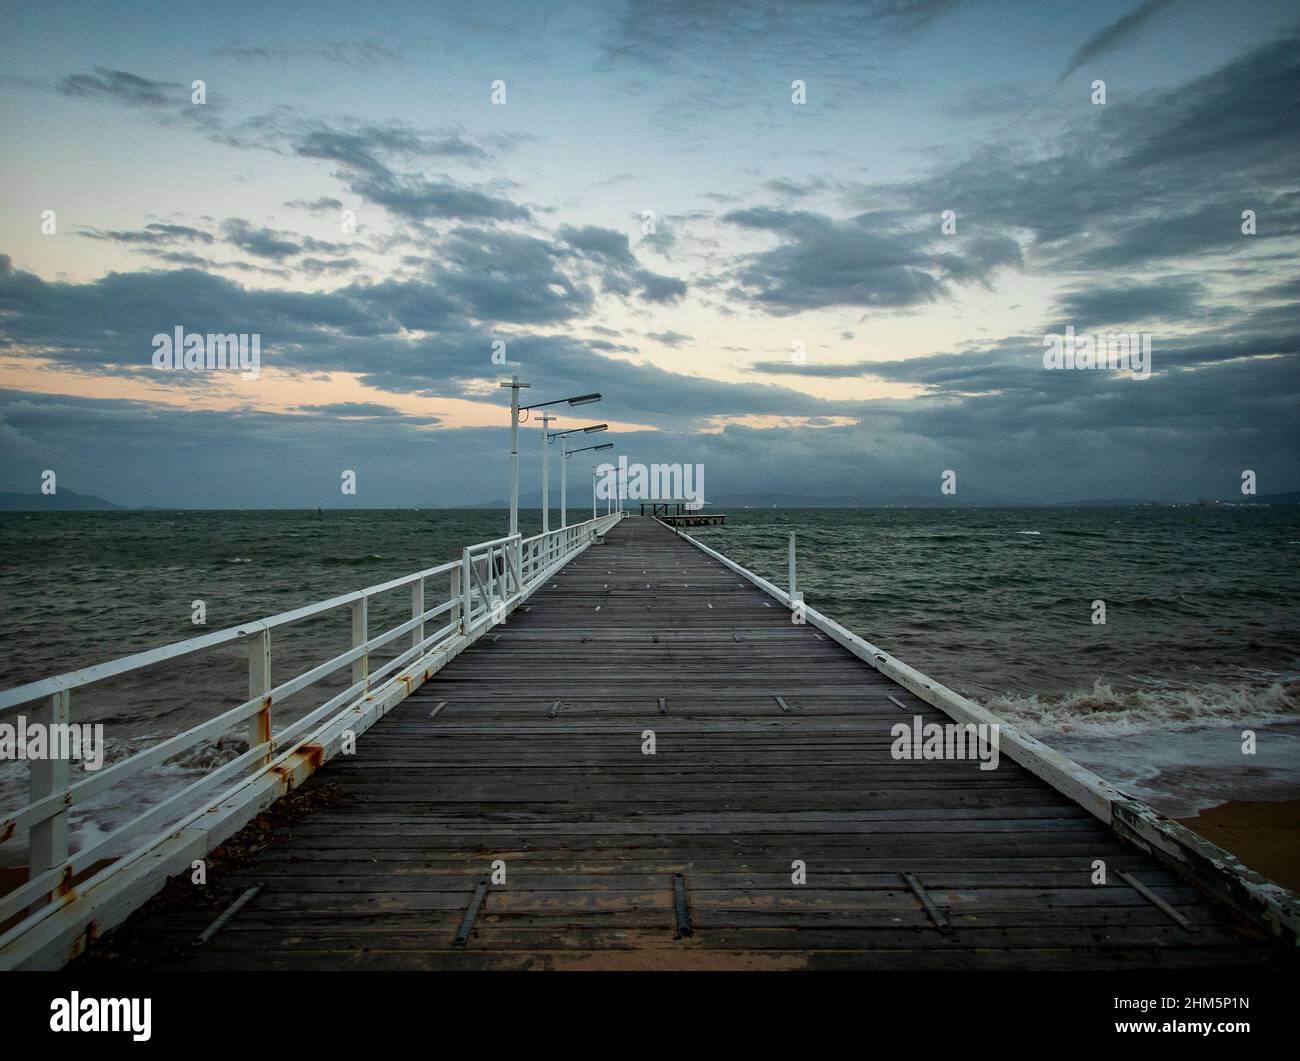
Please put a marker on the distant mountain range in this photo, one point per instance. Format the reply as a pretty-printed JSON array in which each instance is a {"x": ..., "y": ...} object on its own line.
[
  {"x": 969, "y": 500},
  {"x": 70, "y": 501}
]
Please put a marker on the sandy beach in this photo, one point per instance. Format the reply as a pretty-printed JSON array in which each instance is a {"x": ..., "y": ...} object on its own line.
[{"x": 1264, "y": 835}]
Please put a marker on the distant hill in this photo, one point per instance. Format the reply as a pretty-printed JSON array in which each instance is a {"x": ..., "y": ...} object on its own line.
[
  {"x": 1287, "y": 497},
  {"x": 768, "y": 500},
  {"x": 61, "y": 501}
]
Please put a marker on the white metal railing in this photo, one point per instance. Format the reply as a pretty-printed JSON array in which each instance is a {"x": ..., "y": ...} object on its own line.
[{"x": 480, "y": 589}]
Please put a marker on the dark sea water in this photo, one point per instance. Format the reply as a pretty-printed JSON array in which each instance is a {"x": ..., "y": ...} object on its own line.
[{"x": 1202, "y": 637}]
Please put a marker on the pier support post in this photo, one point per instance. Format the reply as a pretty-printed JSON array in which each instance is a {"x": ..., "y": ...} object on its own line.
[
  {"x": 453, "y": 594},
  {"x": 417, "y": 608},
  {"x": 517, "y": 550},
  {"x": 49, "y": 838},
  {"x": 259, "y": 687},
  {"x": 466, "y": 593},
  {"x": 360, "y": 623}
]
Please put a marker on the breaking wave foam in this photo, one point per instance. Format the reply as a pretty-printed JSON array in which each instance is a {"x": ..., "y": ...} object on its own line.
[{"x": 1104, "y": 712}]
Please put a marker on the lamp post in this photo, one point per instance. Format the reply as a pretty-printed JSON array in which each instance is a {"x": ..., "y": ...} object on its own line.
[
  {"x": 564, "y": 463},
  {"x": 515, "y": 409},
  {"x": 562, "y": 436},
  {"x": 546, "y": 474}
]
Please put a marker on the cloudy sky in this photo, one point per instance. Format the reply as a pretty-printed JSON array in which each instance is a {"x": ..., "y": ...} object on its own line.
[{"x": 757, "y": 284}]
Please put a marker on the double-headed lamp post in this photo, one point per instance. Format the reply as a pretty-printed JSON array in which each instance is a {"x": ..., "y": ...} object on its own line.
[
  {"x": 547, "y": 439},
  {"x": 515, "y": 409}
]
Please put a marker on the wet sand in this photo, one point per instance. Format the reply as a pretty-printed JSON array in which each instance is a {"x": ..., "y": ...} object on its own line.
[{"x": 1265, "y": 836}]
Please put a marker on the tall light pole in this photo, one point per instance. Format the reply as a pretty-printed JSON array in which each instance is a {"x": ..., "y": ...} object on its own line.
[
  {"x": 515, "y": 410},
  {"x": 514, "y": 386},
  {"x": 564, "y": 464},
  {"x": 593, "y": 490},
  {"x": 546, "y": 474}
]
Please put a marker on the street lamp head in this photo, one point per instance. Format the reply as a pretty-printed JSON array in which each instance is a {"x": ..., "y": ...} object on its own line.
[
  {"x": 576, "y": 431},
  {"x": 584, "y": 399}
]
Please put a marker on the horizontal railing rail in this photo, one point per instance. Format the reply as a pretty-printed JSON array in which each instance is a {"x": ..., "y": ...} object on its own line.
[{"x": 473, "y": 593}]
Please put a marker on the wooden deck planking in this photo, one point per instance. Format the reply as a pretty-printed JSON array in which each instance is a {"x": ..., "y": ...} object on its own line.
[{"x": 592, "y": 830}]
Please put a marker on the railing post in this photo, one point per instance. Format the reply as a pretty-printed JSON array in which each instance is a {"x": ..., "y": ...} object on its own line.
[
  {"x": 792, "y": 583},
  {"x": 49, "y": 838},
  {"x": 259, "y": 688},
  {"x": 467, "y": 593},
  {"x": 518, "y": 551},
  {"x": 453, "y": 595},
  {"x": 417, "y": 608},
  {"x": 360, "y": 623}
]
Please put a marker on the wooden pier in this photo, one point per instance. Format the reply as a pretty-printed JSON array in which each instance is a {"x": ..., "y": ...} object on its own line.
[
  {"x": 771, "y": 749},
  {"x": 682, "y": 514}
]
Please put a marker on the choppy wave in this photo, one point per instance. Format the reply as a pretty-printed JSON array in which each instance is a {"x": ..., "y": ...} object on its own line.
[
  {"x": 1103, "y": 711},
  {"x": 129, "y": 796}
]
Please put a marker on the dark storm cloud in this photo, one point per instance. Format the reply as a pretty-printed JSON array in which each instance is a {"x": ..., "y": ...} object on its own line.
[
  {"x": 509, "y": 277},
  {"x": 671, "y": 338},
  {"x": 500, "y": 279},
  {"x": 151, "y": 235},
  {"x": 326, "y": 267},
  {"x": 159, "y": 241},
  {"x": 323, "y": 205},
  {"x": 348, "y": 409},
  {"x": 487, "y": 282},
  {"x": 481, "y": 279},
  {"x": 873, "y": 261},
  {"x": 620, "y": 272},
  {"x": 1092, "y": 306},
  {"x": 110, "y": 321},
  {"x": 363, "y": 145},
  {"x": 380, "y": 161},
  {"x": 131, "y": 90},
  {"x": 1164, "y": 177},
  {"x": 798, "y": 189},
  {"x": 1115, "y": 35},
  {"x": 420, "y": 199},
  {"x": 168, "y": 103},
  {"x": 261, "y": 241},
  {"x": 1217, "y": 402}
]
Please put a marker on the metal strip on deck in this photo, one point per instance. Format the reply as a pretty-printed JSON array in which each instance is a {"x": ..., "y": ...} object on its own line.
[{"x": 587, "y": 811}]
